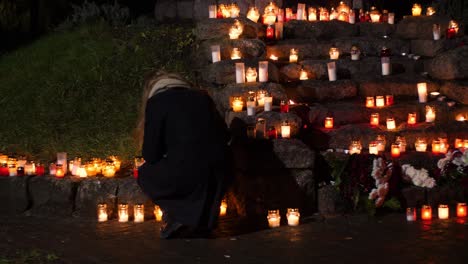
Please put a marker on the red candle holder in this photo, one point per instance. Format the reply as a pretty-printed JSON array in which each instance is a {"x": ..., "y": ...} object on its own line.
[
  {"x": 328, "y": 122},
  {"x": 461, "y": 210},
  {"x": 451, "y": 33},
  {"x": 272, "y": 133},
  {"x": 389, "y": 100},
  {"x": 426, "y": 212},
  {"x": 270, "y": 32},
  {"x": 284, "y": 106},
  {"x": 4, "y": 171},
  {"x": 40, "y": 169}
]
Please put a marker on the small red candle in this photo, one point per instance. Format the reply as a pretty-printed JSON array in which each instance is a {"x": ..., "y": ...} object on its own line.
[
  {"x": 395, "y": 151},
  {"x": 40, "y": 169},
  {"x": 461, "y": 209},
  {"x": 4, "y": 171},
  {"x": 389, "y": 100},
  {"x": 272, "y": 133},
  {"x": 270, "y": 32},
  {"x": 426, "y": 212},
  {"x": 284, "y": 106},
  {"x": 411, "y": 118},
  {"x": 451, "y": 32},
  {"x": 370, "y": 101},
  {"x": 374, "y": 119},
  {"x": 135, "y": 173},
  {"x": 436, "y": 146},
  {"x": 328, "y": 122}
]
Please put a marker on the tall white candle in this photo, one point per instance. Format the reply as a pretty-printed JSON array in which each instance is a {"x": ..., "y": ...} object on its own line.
[
  {"x": 240, "y": 72},
  {"x": 436, "y": 31},
  {"x": 391, "y": 18},
  {"x": 331, "y": 71},
  {"x": 250, "y": 108},
  {"x": 422, "y": 92},
  {"x": 263, "y": 71},
  {"x": 301, "y": 12},
  {"x": 62, "y": 159},
  {"x": 352, "y": 17},
  {"x": 386, "y": 66},
  {"x": 212, "y": 11},
  {"x": 279, "y": 30},
  {"x": 268, "y": 103},
  {"x": 216, "y": 53}
]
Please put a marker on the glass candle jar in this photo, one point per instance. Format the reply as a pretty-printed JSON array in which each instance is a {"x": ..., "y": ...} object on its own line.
[
  {"x": 223, "y": 208},
  {"x": 328, "y": 122},
  {"x": 374, "y": 119},
  {"x": 123, "y": 213},
  {"x": 373, "y": 148},
  {"x": 102, "y": 212},
  {"x": 158, "y": 213},
  {"x": 273, "y": 218},
  {"x": 443, "y": 211},
  {"x": 293, "y": 216},
  {"x": 285, "y": 130},
  {"x": 138, "y": 213},
  {"x": 410, "y": 214},
  {"x": 426, "y": 212},
  {"x": 420, "y": 145},
  {"x": 355, "y": 147},
  {"x": 370, "y": 101},
  {"x": 237, "y": 104},
  {"x": 461, "y": 210}
]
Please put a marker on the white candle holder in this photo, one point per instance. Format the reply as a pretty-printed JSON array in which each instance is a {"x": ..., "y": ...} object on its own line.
[
  {"x": 123, "y": 213},
  {"x": 102, "y": 212},
  {"x": 138, "y": 213},
  {"x": 273, "y": 218},
  {"x": 215, "y": 53},
  {"x": 268, "y": 103},
  {"x": 422, "y": 92},
  {"x": 263, "y": 71},
  {"x": 293, "y": 216},
  {"x": 240, "y": 72},
  {"x": 331, "y": 66}
]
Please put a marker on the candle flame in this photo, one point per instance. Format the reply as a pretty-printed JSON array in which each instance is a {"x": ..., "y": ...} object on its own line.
[
  {"x": 273, "y": 57},
  {"x": 291, "y": 102}
]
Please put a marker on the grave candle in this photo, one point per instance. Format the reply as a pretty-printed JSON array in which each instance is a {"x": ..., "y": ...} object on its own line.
[
  {"x": 279, "y": 30},
  {"x": 312, "y": 14},
  {"x": 260, "y": 128},
  {"x": 123, "y": 213},
  {"x": 158, "y": 213},
  {"x": 373, "y": 148},
  {"x": 102, "y": 212},
  {"x": 273, "y": 57},
  {"x": 237, "y": 104},
  {"x": 270, "y": 32},
  {"x": 109, "y": 170},
  {"x": 465, "y": 143},
  {"x": 391, "y": 123},
  {"x": 444, "y": 146},
  {"x": 331, "y": 71},
  {"x": 235, "y": 54},
  {"x": 261, "y": 97},
  {"x": 355, "y": 53},
  {"x": 138, "y": 213},
  {"x": 12, "y": 171},
  {"x": 334, "y": 53},
  {"x": 443, "y": 211},
  {"x": 30, "y": 168},
  {"x": 234, "y": 10},
  {"x": 40, "y": 169},
  {"x": 289, "y": 14},
  {"x": 389, "y": 100},
  {"x": 420, "y": 145},
  {"x": 250, "y": 106},
  {"x": 381, "y": 142},
  {"x": 426, "y": 212},
  {"x": 458, "y": 143},
  {"x": 293, "y": 216},
  {"x": 401, "y": 142},
  {"x": 430, "y": 11},
  {"x": 352, "y": 17},
  {"x": 301, "y": 13},
  {"x": 223, "y": 208},
  {"x": 452, "y": 29},
  {"x": 240, "y": 72},
  {"x": 436, "y": 146},
  {"x": 370, "y": 101},
  {"x": 430, "y": 114},
  {"x": 355, "y": 147},
  {"x": 379, "y": 101},
  {"x": 422, "y": 92},
  {"x": 253, "y": 14},
  {"x": 272, "y": 133},
  {"x": 461, "y": 210},
  {"x": 81, "y": 172},
  {"x": 323, "y": 14},
  {"x": 386, "y": 67},
  {"x": 303, "y": 75},
  {"x": 235, "y": 31},
  {"x": 284, "y": 106},
  {"x": 374, "y": 15},
  {"x": 62, "y": 159},
  {"x": 395, "y": 151},
  {"x": 280, "y": 16},
  {"x": 215, "y": 53},
  {"x": 460, "y": 118},
  {"x": 293, "y": 56},
  {"x": 268, "y": 103},
  {"x": 412, "y": 118},
  {"x": 251, "y": 74},
  {"x": 410, "y": 214},
  {"x": 273, "y": 218},
  {"x": 285, "y": 130},
  {"x": 328, "y": 122},
  {"x": 436, "y": 31},
  {"x": 4, "y": 170},
  {"x": 391, "y": 18},
  {"x": 263, "y": 71},
  {"x": 333, "y": 14},
  {"x": 59, "y": 171},
  {"x": 374, "y": 119},
  {"x": 52, "y": 168},
  {"x": 212, "y": 11},
  {"x": 416, "y": 10}
]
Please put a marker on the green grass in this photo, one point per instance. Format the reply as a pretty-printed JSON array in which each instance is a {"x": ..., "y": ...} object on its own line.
[
  {"x": 78, "y": 91},
  {"x": 32, "y": 256}
]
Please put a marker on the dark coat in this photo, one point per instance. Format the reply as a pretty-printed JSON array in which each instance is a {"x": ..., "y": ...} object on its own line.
[{"x": 185, "y": 151}]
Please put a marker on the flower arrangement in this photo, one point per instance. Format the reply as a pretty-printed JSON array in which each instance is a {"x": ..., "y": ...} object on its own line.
[
  {"x": 454, "y": 167},
  {"x": 418, "y": 177},
  {"x": 381, "y": 172}
]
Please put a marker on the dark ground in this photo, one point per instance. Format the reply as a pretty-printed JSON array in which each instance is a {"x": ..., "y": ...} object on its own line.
[{"x": 352, "y": 239}]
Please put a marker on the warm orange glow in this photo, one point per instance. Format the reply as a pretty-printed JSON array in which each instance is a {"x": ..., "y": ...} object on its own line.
[
  {"x": 411, "y": 118},
  {"x": 461, "y": 209},
  {"x": 436, "y": 146},
  {"x": 329, "y": 122},
  {"x": 426, "y": 212},
  {"x": 443, "y": 211},
  {"x": 374, "y": 119},
  {"x": 370, "y": 101},
  {"x": 395, "y": 151},
  {"x": 458, "y": 143},
  {"x": 273, "y": 57}
]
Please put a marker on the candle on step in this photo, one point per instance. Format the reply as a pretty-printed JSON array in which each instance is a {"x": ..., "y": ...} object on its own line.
[
  {"x": 331, "y": 71},
  {"x": 212, "y": 11},
  {"x": 443, "y": 211},
  {"x": 458, "y": 143},
  {"x": 285, "y": 130},
  {"x": 436, "y": 31},
  {"x": 223, "y": 208},
  {"x": 215, "y": 53},
  {"x": 411, "y": 214},
  {"x": 412, "y": 118},
  {"x": 251, "y": 75},
  {"x": 379, "y": 101},
  {"x": 422, "y": 92},
  {"x": 59, "y": 171},
  {"x": 430, "y": 11},
  {"x": 420, "y": 145},
  {"x": 355, "y": 147},
  {"x": 461, "y": 209},
  {"x": 240, "y": 72},
  {"x": 374, "y": 119},
  {"x": 237, "y": 104},
  {"x": 436, "y": 146},
  {"x": 268, "y": 103},
  {"x": 328, "y": 122},
  {"x": 386, "y": 67},
  {"x": 263, "y": 71},
  {"x": 426, "y": 212},
  {"x": 62, "y": 159},
  {"x": 391, "y": 125},
  {"x": 312, "y": 14},
  {"x": 108, "y": 170},
  {"x": 352, "y": 17},
  {"x": 284, "y": 106},
  {"x": 273, "y": 218},
  {"x": 279, "y": 30},
  {"x": 416, "y": 10},
  {"x": 389, "y": 99},
  {"x": 235, "y": 54},
  {"x": 430, "y": 114},
  {"x": 123, "y": 212},
  {"x": 81, "y": 172},
  {"x": 373, "y": 148},
  {"x": 334, "y": 53},
  {"x": 293, "y": 55},
  {"x": 391, "y": 18},
  {"x": 395, "y": 151},
  {"x": 138, "y": 213},
  {"x": 270, "y": 32},
  {"x": 355, "y": 53},
  {"x": 370, "y": 101},
  {"x": 158, "y": 213},
  {"x": 253, "y": 14},
  {"x": 444, "y": 146},
  {"x": 301, "y": 12},
  {"x": 381, "y": 142},
  {"x": 261, "y": 97},
  {"x": 250, "y": 106},
  {"x": 293, "y": 216},
  {"x": 324, "y": 15},
  {"x": 102, "y": 212},
  {"x": 303, "y": 75}
]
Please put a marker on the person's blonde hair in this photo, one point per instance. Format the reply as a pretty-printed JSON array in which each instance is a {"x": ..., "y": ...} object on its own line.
[{"x": 150, "y": 80}]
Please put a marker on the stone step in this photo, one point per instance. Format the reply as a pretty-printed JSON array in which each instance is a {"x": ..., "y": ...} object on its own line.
[
  {"x": 219, "y": 28},
  {"x": 398, "y": 85},
  {"x": 319, "y": 29},
  {"x": 318, "y": 90},
  {"x": 450, "y": 65},
  {"x": 420, "y": 27},
  {"x": 249, "y": 48}
]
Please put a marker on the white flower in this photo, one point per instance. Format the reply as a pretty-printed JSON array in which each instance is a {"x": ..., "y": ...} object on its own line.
[{"x": 418, "y": 177}]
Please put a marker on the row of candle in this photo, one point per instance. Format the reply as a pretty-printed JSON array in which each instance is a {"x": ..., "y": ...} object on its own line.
[
  {"x": 260, "y": 130},
  {"x": 442, "y": 212},
  {"x": 292, "y": 216},
  {"x": 10, "y": 166},
  {"x": 250, "y": 75},
  {"x": 379, "y": 101}
]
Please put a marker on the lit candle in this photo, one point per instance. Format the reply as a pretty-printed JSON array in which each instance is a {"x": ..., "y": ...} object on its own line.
[
  {"x": 430, "y": 11},
  {"x": 59, "y": 171},
  {"x": 461, "y": 210},
  {"x": 108, "y": 170},
  {"x": 436, "y": 31},
  {"x": 235, "y": 54},
  {"x": 312, "y": 14},
  {"x": 123, "y": 213},
  {"x": 381, "y": 142},
  {"x": 303, "y": 75},
  {"x": 240, "y": 72},
  {"x": 301, "y": 13},
  {"x": 331, "y": 71},
  {"x": 279, "y": 30},
  {"x": 420, "y": 145},
  {"x": 158, "y": 213},
  {"x": 401, "y": 142},
  {"x": 289, "y": 14},
  {"x": 268, "y": 103},
  {"x": 379, "y": 101},
  {"x": 373, "y": 149},
  {"x": 334, "y": 53},
  {"x": 391, "y": 18},
  {"x": 138, "y": 213},
  {"x": 355, "y": 53},
  {"x": 443, "y": 211},
  {"x": 260, "y": 128},
  {"x": 386, "y": 68},
  {"x": 355, "y": 147},
  {"x": 223, "y": 208},
  {"x": 212, "y": 11},
  {"x": 293, "y": 216},
  {"x": 284, "y": 106},
  {"x": 30, "y": 168},
  {"x": 324, "y": 15},
  {"x": 460, "y": 118},
  {"x": 426, "y": 212},
  {"x": 263, "y": 71},
  {"x": 412, "y": 118},
  {"x": 370, "y": 101},
  {"x": 251, "y": 74},
  {"x": 216, "y": 53},
  {"x": 62, "y": 159},
  {"x": 251, "y": 106},
  {"x": 389, "y": 100},
  {"x": 234, "y": 10},
  {"x": 410, "y": 214},
  {"x": 352, "y": 17},
  {"x": 285, "y": 130},
  {"x": 293, "y": 55},
  {"x": 391, "y": 123},
  {"x": 253, "y": 14},
  {"x": 444, "y": 146},
  {"x": 430, "y": 114},
  {"x": 273, "y": 218},
  {"x": 395, "y": 151},
  {"x": 458, "y": 143},
  {"x": 436, "y": 146},
  {"x": 234, "y": 32},
  {"x": 82, "y": 172},
  {"x": 374, "y": 15},
  {"x": 452, "y": 29},
  {"x": 270, "y": 32},
  {"x": 328, "y": 122},
  {"x": 261, "y": 97},
  {"x": 102, "y": 212},
  {"x": 237, "y": 104},
  {"x": 465, "y": 143},
  {"x": 273, "y": 57},
  {"x": 416, "y": 10},
  {"x": 422, "y": 92}
]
